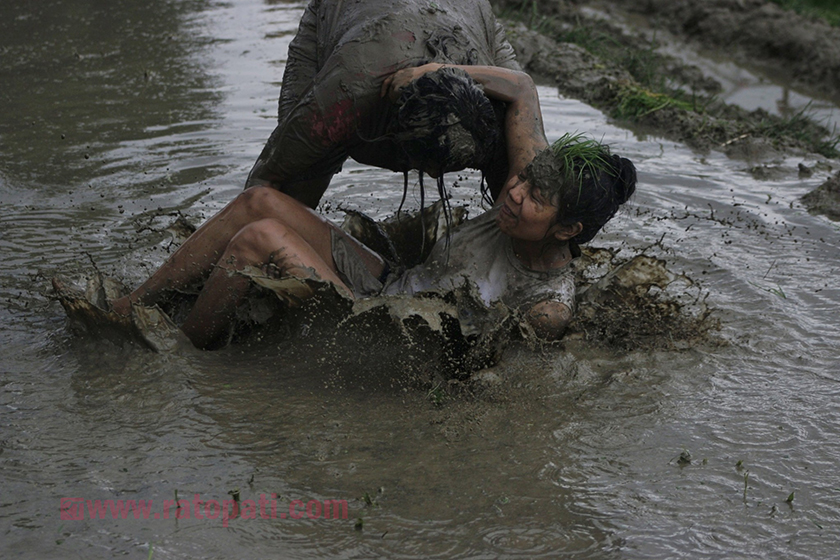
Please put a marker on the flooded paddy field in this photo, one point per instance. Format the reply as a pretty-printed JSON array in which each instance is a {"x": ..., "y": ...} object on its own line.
[{"x": 118, "y": 116}]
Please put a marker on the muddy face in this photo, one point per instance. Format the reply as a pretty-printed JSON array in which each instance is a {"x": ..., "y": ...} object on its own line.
[
  {"x": 526, "y": 214},
  {"x": 546, "y": 174}
]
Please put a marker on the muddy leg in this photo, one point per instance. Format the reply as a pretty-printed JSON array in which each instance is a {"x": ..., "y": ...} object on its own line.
[
  {"x": 197, "y": 256},
  {"x": 259, "y": 243}
]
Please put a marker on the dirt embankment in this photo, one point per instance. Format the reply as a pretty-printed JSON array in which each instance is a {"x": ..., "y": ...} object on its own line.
[
  {"x": 825, "y": 199},
  {"x": 806, "y": 51},
  {"x": 622, "y": 73}
]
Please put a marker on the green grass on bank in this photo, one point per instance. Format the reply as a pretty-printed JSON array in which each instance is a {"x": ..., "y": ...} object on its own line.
[
  {"x": 656, "y": 87},
  {"x": 828, "y": 10},
  {"x": 634, "y": 103},
  {"x": 800, "y": 126}
]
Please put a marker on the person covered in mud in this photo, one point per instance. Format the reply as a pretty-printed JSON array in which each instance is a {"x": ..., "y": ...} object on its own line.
[
  {"x": 330, "y": 103},
  {"x": 440, "y": 117},
  {"x": 517, "y": 253},
  {"x": 554, "y": 198}
]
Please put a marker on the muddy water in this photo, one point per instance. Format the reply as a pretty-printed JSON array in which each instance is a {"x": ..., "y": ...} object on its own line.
[
  {"x": 118, "y": 112},
  {"x": 749, "y": 88},
  {"x": 753, "y": 89}
]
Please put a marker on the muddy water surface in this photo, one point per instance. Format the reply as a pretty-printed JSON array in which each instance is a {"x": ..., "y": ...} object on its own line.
[{"x": 116, "y": 113}]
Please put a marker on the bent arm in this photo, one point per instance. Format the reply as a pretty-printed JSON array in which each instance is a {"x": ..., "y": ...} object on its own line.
[{"x": 524, "y": 130}]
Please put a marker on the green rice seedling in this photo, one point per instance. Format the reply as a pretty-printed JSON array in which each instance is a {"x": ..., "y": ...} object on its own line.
[
  {"x": 746, "y": 484},
  {"x": 635, "y": 103}
]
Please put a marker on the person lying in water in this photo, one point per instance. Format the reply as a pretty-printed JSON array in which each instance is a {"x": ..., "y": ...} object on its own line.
[
  {"x": 330, "y": 106},
  {"x": 518, "y": 252}
]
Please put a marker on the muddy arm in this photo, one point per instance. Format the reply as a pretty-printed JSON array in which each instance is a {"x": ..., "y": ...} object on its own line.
[
  {"x": 549, "y": 319},
  {"x": 524, "y": 130}
]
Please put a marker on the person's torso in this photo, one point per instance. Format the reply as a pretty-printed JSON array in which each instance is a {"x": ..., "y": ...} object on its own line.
[
  {"x": 392, "y": 34},
  {"x": 481, "y": 255},
  {"x": 361, "y": 42}
]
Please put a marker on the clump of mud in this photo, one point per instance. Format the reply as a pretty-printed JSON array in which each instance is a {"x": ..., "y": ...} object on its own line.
[
  {"x": 825, "y": 199},
  {"x": 86, "y": 300},
  {"x": 630, "y": 306}
]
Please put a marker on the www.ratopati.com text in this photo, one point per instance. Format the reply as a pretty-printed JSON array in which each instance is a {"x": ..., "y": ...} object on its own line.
[{"x": 74, "y": 509}]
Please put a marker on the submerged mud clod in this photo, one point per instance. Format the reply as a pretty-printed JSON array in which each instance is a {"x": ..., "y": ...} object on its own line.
[{"x": 825, "y": 199}]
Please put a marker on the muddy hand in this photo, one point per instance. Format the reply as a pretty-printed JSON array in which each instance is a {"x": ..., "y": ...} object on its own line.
[{"x": 393, "y": 84}]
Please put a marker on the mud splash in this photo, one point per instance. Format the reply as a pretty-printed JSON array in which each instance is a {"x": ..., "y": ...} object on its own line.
[
  {"x": 630, "y": 307},
  {"x": 438, "y": 336}
]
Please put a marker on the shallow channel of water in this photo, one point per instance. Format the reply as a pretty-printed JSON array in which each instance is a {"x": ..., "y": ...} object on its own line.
[{"x": 118, "y": 112}]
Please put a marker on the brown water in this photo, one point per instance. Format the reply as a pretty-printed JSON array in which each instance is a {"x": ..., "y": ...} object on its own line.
[{"x": 115, "y": 112}]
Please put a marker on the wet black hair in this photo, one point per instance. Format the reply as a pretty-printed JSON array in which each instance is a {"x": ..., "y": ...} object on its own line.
[
  {"x": 585, "y": 180},
  {"x": 444, "y": 119}
]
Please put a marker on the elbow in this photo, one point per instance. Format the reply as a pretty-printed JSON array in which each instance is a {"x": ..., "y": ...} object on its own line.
[
  {"x": 526, "y": 81},
  {"x": 521, "y": 86},
  {"x": 549, "y": 320},
  {"x": 523, "y": 83}
]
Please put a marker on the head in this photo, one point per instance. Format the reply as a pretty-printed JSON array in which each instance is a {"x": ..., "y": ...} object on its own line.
[
  {"x": 581, "y": 184},
  {"x": 444, "y": 122}
]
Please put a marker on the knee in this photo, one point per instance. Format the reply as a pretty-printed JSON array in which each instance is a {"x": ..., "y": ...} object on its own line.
[
  {"x": 261, "y": 202},
  {"x": 254, "y": 243}
]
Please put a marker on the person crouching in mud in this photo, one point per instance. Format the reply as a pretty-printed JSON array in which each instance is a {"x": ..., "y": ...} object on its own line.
[
  {"x": 518, "y": 252},
  {"x": 330, "y": 105}
]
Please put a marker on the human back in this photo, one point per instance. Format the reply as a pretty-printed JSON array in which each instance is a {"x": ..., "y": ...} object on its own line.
[{"x": 330, "y": 104}]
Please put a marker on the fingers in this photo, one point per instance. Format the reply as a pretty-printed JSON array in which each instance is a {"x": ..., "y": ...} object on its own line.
[
  {"x": 386, "y": 85},
  {"x": 392, "y": 85}
]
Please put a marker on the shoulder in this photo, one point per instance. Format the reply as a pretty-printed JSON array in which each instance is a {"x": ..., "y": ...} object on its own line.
[
  {"x": 549, "y": 319},
  {"x": 528, "y": 287}
]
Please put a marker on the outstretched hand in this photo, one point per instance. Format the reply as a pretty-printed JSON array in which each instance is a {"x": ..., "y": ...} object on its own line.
[{"x": 393, "y": 84}]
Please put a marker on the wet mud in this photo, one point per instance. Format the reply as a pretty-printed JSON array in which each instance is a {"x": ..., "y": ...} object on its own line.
[
  {"x": 431, "y": 340},
  {"x": 568, "y": 450},
  {"x": 754, "y": 32},
  {"x": 825, "y": 199},
  {"x": 631, "y": 308},
  {"x": 700, "y": 120},
  {"x": 584, "y": 76}
]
